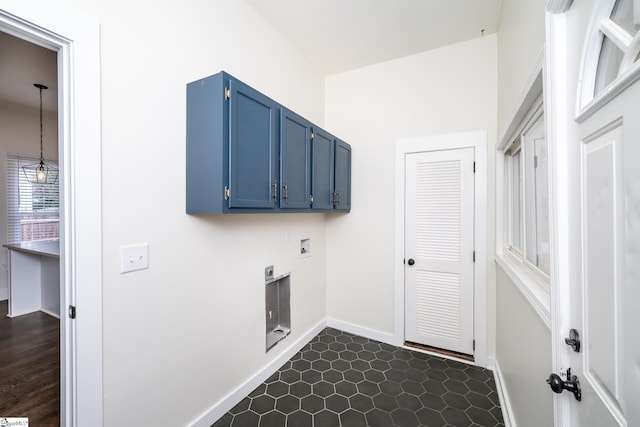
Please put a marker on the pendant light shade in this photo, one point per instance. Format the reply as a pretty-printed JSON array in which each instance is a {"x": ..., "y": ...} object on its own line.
[{"x": 41, "y": 173}]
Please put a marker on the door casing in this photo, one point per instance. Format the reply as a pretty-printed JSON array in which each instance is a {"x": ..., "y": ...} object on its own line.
[
  {"x": 478, "y": 141},
  {"x": 76, "y": 39}
]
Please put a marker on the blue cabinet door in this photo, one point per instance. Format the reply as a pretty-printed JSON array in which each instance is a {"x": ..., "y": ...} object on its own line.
[
  {"x": 342, "y": 187},
  {"x": 295, "y": 161},
  {"x": 322, "y": 170},
  {"x": 253, "y": 136}
]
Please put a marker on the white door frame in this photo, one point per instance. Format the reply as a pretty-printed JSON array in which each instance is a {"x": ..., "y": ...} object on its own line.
[
  {"x": 556, "y": 103},
  {"x": 478, "y": 141},
  {"x": 75, "y": 37}
]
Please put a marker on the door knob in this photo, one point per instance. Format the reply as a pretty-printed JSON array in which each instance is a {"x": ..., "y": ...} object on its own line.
[
  {"x": 572, "y": 384},
  {"x": 411, "y": 261}
]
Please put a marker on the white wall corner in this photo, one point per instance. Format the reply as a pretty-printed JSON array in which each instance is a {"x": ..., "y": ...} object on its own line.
[
  {"x": 232, "y": 399},
  {"x": 505, "y": 403},
  {"x": 4, "y": 294},
  {"x": 372, "y": 334}
]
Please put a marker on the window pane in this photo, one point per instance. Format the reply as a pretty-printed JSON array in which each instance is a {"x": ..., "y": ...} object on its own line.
[
  {"x": 537, "y": 196},
  {"x": 516, "y": 202},
  {"x": 542, "y": 204},
  {"x": 531, "y": 244},
  {"x": 623, "y": 15},
  {"x": 608, "y": 64},
  {"x": 32, "y": 209}
]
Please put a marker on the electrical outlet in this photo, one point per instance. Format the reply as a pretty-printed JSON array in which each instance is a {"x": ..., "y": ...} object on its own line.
[{"x": 134, "y": 257}]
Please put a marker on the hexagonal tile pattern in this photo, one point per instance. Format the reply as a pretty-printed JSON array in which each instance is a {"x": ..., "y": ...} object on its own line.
[{"x": 341, "y": 379}]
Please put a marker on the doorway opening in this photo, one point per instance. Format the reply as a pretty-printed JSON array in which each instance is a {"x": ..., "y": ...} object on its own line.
[
  {"x": 474, "y": 144},
  {"x": 31, "y": 333}
]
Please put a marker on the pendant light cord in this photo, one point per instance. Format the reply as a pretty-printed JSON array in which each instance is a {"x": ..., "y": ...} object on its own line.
[
  {"x": 41, "y": 156},
  {"x": 41, "y": 87}
]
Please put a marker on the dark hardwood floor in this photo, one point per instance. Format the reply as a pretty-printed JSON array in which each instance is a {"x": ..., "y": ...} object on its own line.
[{"x": 30, "y": 367}]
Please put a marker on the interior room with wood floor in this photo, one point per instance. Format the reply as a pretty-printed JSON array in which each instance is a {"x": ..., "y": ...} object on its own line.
[
  {"x": 30, "y": 367},
  {"x": 30, "y": 233}
]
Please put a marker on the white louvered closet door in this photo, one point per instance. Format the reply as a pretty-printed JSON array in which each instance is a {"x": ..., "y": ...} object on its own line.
[{"x": 439, "y": 217}]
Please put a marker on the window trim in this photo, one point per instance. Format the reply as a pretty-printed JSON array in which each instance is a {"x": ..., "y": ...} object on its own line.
[
  {"x": 514, "y": 148},
  {"x": 530, "y": 285}
]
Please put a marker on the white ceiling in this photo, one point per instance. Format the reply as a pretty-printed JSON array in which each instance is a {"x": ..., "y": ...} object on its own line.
[
  {"x": 335, "y": 35},
  {"x": 21, "y": 65},
  {"x": 340, "y": 35}
]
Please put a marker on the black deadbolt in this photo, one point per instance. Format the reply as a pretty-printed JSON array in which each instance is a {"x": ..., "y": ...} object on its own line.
[
  {"x": 572, "y": 384},
  {"x": 411, "y": 261},
  {"x": 574, "y": 340}
]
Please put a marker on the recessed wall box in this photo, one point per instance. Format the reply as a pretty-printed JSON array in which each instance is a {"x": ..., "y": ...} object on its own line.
[
  {"x": 277, "y": 309},
  {"x": 305, "y": 247}
]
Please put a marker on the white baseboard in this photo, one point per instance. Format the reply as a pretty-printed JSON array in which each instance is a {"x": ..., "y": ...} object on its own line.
[
  {"x": 4, "y": 294},
  {"x": 372, "y": 334},
  {"x": 505, "y": 403},
  {"x": 233, "y": 398},
  {"x": 50, "y": 313}
]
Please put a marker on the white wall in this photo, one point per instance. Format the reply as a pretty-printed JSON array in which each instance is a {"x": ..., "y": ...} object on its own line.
[
  {"x": 520, "y": 40},
  {"x": 443, "y": 91},
  {"x": 20, "y": 134},
  {"x": 181, "y": 335},
  {"x": 523, "y": 351}
]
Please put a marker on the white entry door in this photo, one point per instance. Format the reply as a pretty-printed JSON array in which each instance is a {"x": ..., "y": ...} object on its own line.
[
  {"x": 607, "y": 288},
  {"x": 603, "y": 237},
  {"x": 439, "y": 257}
]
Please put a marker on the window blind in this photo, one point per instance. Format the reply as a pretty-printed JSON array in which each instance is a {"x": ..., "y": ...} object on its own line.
[{"x": 33, "y": 210}]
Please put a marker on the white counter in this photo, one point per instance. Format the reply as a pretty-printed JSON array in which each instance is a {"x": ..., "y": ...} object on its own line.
[{"x": 34, "y": 277}]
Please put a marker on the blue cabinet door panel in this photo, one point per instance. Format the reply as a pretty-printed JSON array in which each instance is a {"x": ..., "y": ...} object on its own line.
[
  {"x": 342, "y": 176},
  {"x": 295, "y": 160},
  {"x": 322, "y": 170},
  {"x": 253, "y": 136}
]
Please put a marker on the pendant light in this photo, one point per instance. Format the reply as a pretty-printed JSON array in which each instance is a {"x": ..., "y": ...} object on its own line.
[{"x": 41, "y": 173}]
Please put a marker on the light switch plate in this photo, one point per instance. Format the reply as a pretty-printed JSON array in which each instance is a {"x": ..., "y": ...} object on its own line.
[{"x": 134, "y": 257}]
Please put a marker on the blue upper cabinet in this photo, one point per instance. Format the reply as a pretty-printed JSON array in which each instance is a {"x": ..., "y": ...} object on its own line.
[
  {"x": 232, "y": 147},
  {"x": 248, "y": 154},
  {"x": 322, "y": 170},
  {"x": 342, "y": 176},
  {"x": 295, "y": 161}
]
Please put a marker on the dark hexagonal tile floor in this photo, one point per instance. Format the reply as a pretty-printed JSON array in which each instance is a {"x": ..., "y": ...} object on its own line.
[{"x": 340, "y": 379}]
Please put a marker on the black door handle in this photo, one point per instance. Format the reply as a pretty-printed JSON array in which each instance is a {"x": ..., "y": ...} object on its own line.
[{"x": 411, "y": 261}]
